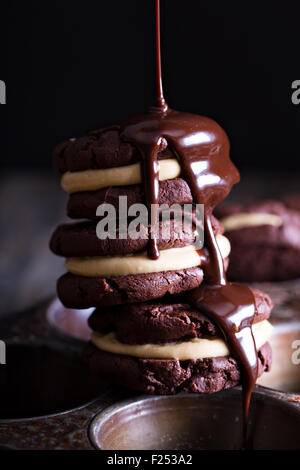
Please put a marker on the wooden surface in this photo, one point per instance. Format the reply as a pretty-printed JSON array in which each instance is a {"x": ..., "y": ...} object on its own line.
[{"x": 32, "y": 204}]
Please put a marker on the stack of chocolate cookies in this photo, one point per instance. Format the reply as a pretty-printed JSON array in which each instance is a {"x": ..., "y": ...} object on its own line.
[{"x": 146, "y": 335}]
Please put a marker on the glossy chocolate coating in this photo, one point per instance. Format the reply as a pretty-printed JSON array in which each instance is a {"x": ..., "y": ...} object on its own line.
[{"x": 202, "y": 147}]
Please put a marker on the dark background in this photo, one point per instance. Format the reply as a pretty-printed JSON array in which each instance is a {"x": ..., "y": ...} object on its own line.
[{"x": 71, "y": 65}]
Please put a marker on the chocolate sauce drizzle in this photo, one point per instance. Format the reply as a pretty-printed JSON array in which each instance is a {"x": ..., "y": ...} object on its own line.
[
  {"x": 160, "y": 100},
  {"x": 202, "y": 147}
]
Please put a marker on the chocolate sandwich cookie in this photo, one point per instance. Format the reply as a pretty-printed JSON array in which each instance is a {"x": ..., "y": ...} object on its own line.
[
  {"x": 125, "y": 278},
  {"x": 84, "y": 292},
  {"x": 113, "y": 271},
  {"x": 167, "y": 377},
  {"x": 84, "y": 204},
  {"x": 158, "y": 322},
  {"x": 99, "y": 149},
  {"x": 96, "y": 288},
  {"x": 166, "y": 348},
  {"x": 265, "y": 241}
]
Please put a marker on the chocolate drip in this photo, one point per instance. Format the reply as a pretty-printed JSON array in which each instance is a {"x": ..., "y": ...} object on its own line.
[
  {"x": 160, "y": 100},
  {"x": 232, "y": 308},
  {"x": 202, "y": 147},
  {"x": 198, "y": 142}
]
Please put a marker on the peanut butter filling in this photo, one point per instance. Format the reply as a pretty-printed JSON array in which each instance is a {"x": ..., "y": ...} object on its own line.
[
  {"x": 196, "y": 348},
  {"x": 245, "y": 219},
  {"x": 169, "y": 260},
  {"x": 92, "y": 180}
]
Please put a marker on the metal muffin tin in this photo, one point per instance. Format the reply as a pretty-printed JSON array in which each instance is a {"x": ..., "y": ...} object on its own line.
[{"x": 50, "y": 401}]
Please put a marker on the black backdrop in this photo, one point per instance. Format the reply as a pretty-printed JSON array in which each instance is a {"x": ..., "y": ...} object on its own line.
[{"x": 70, "y": 65}]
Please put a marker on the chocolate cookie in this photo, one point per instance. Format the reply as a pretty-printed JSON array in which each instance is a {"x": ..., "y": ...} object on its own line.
[
  {"x": 155, "y": 376},
  {"x": 81, "y": 239},
  {"x": 83, "y": 205},
  {"x": 269, "y": 251},
  {"x": 99, "y": 149},
  {"x": 84, "y": 292},
  {"x": 157, "y": 322}
]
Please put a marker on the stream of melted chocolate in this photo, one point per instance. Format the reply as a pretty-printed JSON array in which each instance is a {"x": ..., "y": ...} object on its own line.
[{"x": 202, "y": 147}]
